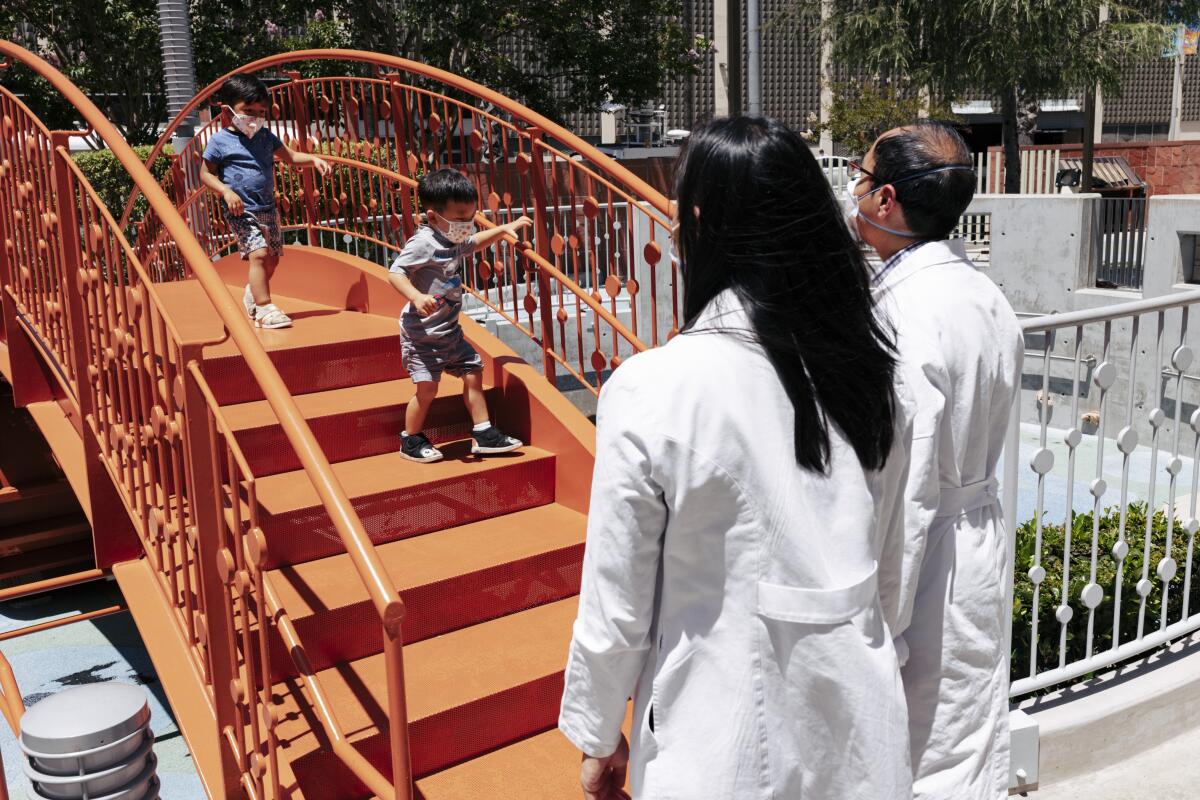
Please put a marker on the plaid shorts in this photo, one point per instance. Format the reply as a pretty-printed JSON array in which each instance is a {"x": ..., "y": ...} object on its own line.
[
  {"x": 425, "y": 360},
  {"x": 256, "y": 230}
]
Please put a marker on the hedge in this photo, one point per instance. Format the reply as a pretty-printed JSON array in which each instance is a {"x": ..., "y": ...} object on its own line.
[
  {"x": 1050, "y": 596},
  {"x": 110, "y": 180}
]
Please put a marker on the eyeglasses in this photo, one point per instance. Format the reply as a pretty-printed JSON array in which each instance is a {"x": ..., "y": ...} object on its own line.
[{"x": 855, "y": 171}]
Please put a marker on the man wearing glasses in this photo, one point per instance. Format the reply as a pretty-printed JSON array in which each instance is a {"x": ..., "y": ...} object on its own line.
[{"x": 960, "y": 349}]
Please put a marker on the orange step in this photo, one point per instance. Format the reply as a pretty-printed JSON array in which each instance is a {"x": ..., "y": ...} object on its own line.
[
  {"x": 448, "y": 580},
  {"x": 545, "y": 765},
  {"x": 28, "y": 537},
  {"x": 326, "y": 348},
  {"x": 329, "y": 349},
  {"x": 396, "y": 498},
  {"x": 468, "y": 692},
  {"x": 350, "y": 422}
]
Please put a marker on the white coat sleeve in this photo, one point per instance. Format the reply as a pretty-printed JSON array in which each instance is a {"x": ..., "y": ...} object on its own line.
[
  {"x": 922, "y": 380},
  {"x": 891, "y": 483},
  {"x": 626, "y": 522}
]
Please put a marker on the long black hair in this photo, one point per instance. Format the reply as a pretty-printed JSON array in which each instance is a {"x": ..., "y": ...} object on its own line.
[{"x": 769, "y": 228}]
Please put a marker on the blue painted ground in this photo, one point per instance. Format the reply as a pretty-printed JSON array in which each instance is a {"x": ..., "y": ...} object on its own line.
[{"x": 106, "y": 649}]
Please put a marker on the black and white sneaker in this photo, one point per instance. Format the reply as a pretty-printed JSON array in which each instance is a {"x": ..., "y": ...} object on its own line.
[
  {"x": 416, "y": 447},
  {"x": 492, "y": 441}
]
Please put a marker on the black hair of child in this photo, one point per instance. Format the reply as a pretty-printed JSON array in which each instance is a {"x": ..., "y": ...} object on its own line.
[
  {"x": 444, "y": 186},
  {"x": 243, "y": 88}
]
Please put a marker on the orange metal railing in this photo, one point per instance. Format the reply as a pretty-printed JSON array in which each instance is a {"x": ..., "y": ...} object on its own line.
[
  {"x": 74, "y": 284},
  {"x": 596, "y": 223}
]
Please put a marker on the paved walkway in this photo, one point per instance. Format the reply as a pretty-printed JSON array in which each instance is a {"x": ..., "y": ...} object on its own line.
[
  {"x": 106, "y": 649},
  {"x": 1168, "y": 772}
]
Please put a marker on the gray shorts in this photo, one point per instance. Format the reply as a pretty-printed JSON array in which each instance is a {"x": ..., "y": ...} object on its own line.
[
  {"x": 427, "y": 359},
  {"x": 257, "y": 230}
]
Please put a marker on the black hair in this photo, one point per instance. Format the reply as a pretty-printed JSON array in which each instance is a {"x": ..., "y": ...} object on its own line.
[
  {"x": 933, "y": 203},
  {"x": 444, "y": 186},
  {"x": 770, "y": 229},
  {"x": 243, "y": 87}
]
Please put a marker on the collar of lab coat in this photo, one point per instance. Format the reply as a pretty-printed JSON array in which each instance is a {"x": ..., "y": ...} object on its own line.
[
  {"x": 928, "y": 255},
  {"x": 724, "y": 312}
]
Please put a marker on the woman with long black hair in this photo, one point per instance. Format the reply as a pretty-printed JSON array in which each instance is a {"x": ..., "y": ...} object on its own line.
[{"x": 746, "y": 509}]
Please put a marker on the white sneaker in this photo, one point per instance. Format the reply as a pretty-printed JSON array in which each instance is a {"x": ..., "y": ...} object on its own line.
[
  {"x": 248, "y": 302},
  {"x": 269, "y": 316}
]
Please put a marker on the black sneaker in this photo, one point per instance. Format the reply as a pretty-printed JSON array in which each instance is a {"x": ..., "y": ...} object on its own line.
[
  {"x": 492, "y": 441},
  {"x": 416, "y": 447}
]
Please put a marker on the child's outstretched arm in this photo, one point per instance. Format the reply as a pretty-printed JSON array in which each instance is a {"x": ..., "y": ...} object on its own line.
[
  {"x": 208, "y": 176},
  {"x": 486, "y": 237},
  {"x": 290, "y": 156}
]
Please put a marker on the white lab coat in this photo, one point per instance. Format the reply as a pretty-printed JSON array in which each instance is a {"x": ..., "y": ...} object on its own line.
[
  {"x": 961, "y": 350},
  {"x": 732, "y": 592}
]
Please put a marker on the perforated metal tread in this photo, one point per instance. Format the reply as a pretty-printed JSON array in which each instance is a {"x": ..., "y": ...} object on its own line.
[
  {"x": 468, "y": 692},
  {"x": 351, "y": 422},
  {"x": 396, "y": 498},
  {"x": 448, "y": 580},
  {"x": 544, "y": 765}
]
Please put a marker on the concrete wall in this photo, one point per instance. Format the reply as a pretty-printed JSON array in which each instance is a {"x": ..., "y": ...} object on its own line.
[{"x": 1043, "y": 258}]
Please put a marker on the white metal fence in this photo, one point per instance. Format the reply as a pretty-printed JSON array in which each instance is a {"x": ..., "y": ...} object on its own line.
[{"x": 1103, "y": 569}]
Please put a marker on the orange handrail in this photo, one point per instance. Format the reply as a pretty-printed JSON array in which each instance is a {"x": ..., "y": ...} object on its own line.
[
  {"x": 383, "y": 595},
  {"x": 526, "y": 250},
  {"x": 11, "y": 704},
  {"x": 553, "y": 129}
]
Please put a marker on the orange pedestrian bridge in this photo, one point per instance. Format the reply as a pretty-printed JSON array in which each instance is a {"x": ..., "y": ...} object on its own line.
[{"x": 330, "y": 621}]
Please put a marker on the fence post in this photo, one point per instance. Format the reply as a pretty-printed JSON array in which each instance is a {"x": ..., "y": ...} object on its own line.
[
  {"x": 542, "y": 228},
  {"x": 218, "y": 630}
]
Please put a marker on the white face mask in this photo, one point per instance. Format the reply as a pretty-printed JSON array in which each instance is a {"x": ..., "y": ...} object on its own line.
[
  {"x": 458, "y": 231},
  {"x": 247, "y": 124},
  {"x": 850, "y": 210}
]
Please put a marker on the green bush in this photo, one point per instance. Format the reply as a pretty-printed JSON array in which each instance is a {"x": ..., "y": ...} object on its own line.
[
  {"x": 110, "y": 180},
  {"x": 1050, "y": 595}
]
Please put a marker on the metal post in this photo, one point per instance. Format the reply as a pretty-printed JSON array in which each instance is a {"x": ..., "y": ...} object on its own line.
[
  {"x": 753, "y": 58},
  {"x": 219, "y": 631},
  {"x": 178, "y": 66},
  {"x": 541, "y": 227},
  {"x": 308, "y": 184}
]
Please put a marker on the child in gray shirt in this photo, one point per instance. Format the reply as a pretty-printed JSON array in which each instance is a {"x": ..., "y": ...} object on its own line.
[{"x": 428, "y": 272}]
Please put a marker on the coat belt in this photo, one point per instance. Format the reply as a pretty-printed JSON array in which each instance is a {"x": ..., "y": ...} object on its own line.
[{"x": 956, "y": 500}]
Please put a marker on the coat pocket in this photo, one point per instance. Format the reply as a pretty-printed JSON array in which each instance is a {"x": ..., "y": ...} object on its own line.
[{"x": 818, "y": 606}]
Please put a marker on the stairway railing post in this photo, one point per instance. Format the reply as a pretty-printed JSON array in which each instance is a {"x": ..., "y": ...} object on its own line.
[
  {"x": 76, "y": 277},
  {"x": 542, "y": 233},
  {"x": 307, "y": 181},
  {"x": 218, "y": 628},
  {"x": 393, "y": 651}
]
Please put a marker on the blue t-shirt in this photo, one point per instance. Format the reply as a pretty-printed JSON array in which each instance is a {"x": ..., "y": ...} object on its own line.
[{"x": 246, "y": 165}]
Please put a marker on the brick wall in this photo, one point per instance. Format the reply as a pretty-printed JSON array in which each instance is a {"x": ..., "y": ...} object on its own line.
[{"x": 1168, "y": 167}]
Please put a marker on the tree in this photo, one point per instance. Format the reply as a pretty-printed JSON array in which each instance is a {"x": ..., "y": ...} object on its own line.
[
  {"x": 557, "y": 56},
  {"x": 862, "y": 110},
  {"x": 109, "y": 48},
  {"x": 1004, "y": 49}
]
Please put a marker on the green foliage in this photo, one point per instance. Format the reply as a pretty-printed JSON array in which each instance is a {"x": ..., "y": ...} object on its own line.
[
  {"x": 110, "y": 180},
  {"x": 1003, "y": 49},
  {"x": 862, "y": 110},
  {"x": 110, "y": 50},
  {"x": 576, "y": 53},
  {"x": 1107, "y": 569}
]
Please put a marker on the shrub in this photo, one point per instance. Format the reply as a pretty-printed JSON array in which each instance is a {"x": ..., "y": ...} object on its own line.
[
  {"x": 110, "y": 180},
  {"x": 1107, "y": 568}
]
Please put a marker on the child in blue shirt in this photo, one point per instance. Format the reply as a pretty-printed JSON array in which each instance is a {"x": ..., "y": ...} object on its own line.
[
  {"x": 238, "y": 167},
  {"x": 428, "y": 272}
]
